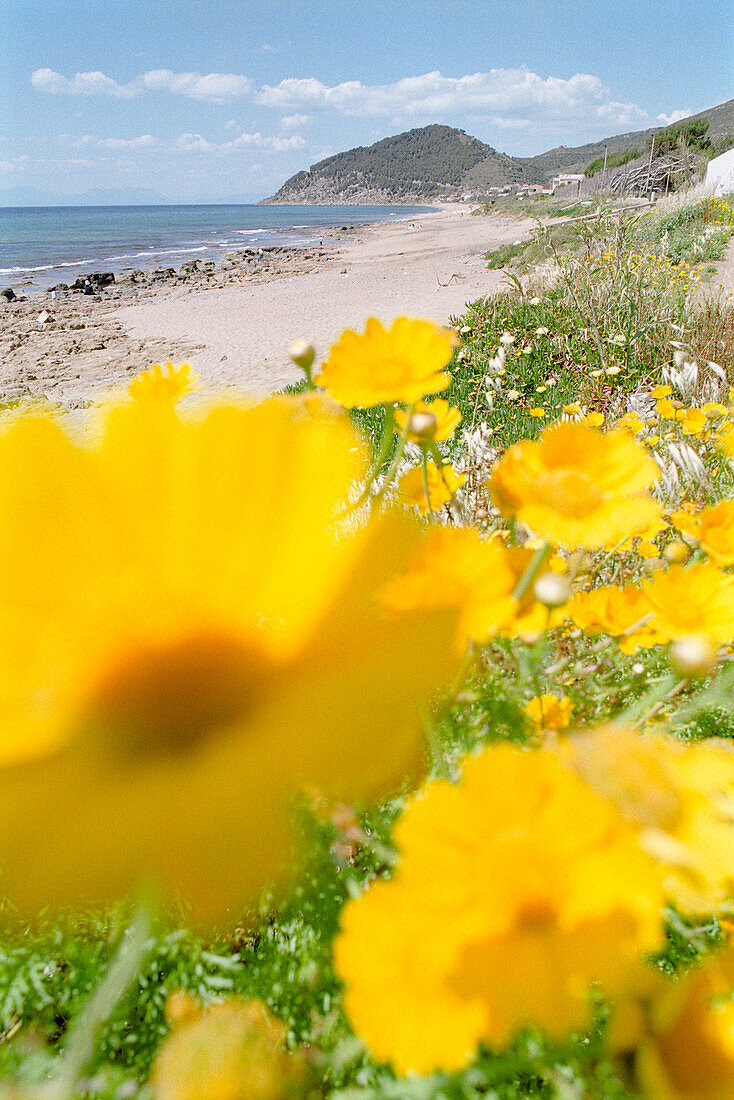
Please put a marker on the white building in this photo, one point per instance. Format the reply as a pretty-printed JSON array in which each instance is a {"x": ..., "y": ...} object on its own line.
[{"x": 720, "y": 174}]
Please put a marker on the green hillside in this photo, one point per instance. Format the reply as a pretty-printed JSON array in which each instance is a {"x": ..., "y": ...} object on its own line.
[{"x": 433, "y": 162}]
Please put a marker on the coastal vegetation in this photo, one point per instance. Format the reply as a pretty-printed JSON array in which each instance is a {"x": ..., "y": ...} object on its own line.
[{"x": 408, "y": 696}]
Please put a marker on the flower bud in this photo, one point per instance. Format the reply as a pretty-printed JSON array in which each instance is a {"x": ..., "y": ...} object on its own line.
[
  {"x": 302, "y": 353},
  {"x": 552, "y": 590},
  {"x": 692, "y": 655},
  {"x": 676, "y": 553},
  {"x": 422, "y": 427}
]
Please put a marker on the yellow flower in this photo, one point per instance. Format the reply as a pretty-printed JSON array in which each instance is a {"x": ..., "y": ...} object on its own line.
[
  {"x": 631, "y": 422},
  {"x": 593, "y": 419},
  {"x": 659, "y": 392},
  {"x": 692, "y": 421},
  {"x": 455, "y": 567},
  {"x": 186, "y": 644},
  {"x": 647, "y": 549},
  {"x": 537, "y": 413},
  {"x": 155, "y": 385},
  {"x": 573, "y": 409},
  {"x": 548, "y": 712},
  {"x": 576, "y": 486},
  {"x": 681, "y": 1041},
  {"x": 686, "y": 520},
  {"x": 681, "y": 795},
  {"x": 715, "y": 531},
  {"x": 402, "y": 363},
  {"x": 615, "y": 611},
  {"x": 447, "y": 418},
  {"x": 544, "y": 890},
  {"x": 666, "y": 409},
  {"x": 697, "y": 600},
  {"x": 715, "y": 411},
  {"x": 442, "y": 484},
  {"x": 224, "y": 1051}
]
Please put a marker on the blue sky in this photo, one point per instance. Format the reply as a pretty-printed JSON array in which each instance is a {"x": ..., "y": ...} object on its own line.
[{"x": 217, "y": 100}]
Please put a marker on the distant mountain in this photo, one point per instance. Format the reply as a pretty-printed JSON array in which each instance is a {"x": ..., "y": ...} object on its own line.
[{"x": 434, "y": 162}]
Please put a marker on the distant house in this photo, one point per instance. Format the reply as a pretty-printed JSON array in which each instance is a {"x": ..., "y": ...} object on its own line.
[{"x": 566, "y": 178}]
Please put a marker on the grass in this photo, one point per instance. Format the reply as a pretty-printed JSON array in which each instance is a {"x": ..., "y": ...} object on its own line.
[{"x": 283, "y": 955}]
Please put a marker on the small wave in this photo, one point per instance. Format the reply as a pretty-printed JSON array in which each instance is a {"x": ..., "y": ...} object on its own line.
[
  {"x": 41, "y": 267},
  {"x": 250, "y": 232}
]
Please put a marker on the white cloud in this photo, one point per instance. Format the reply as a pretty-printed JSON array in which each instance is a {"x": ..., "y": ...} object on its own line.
[
  {"x": 189, "y": 143},
  {"x": 294, "y": 122},
  {"x": 219, "y": 87},
  {"x": 506, "y": 98},
  {"x": 92, "y": 83},
  {"x": 231, "y": 124},
  {"x": 145, "y": 141},
  {"x": 514, "y": 96},
  {"x": 256, "y": 140},
  {"x": 216, "y": 87},
  {"x": 675, "y": 116}
]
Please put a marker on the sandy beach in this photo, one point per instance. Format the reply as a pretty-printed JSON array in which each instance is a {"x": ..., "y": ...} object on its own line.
[{"x": 235, "y": 324}]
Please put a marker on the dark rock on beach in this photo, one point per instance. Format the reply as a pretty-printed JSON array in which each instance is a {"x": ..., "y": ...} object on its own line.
[{"x": 9, "y": 294}]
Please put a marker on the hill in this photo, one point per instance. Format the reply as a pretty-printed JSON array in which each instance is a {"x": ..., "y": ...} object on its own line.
[{"x": 435, "y": 162}]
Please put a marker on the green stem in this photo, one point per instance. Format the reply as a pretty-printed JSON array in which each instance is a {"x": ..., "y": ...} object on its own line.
[
  {"x": 390, "y": 474},
  {"x": 539, "y": 558},
  {"x": 80, "y": 1044},
  {"x": 426, "y": 489}
]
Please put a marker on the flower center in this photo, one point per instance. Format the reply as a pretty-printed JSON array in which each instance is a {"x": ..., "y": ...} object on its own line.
[
  {"x": 536, "y": 914},
  {"x": 169, "y": 698},
  {"x": 571, "y": 492}
]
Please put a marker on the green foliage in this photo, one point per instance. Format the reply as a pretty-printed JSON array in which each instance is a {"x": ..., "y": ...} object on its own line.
[
  {"x": 716, "y": 148},
  {"x": 613, "y": 160},
  {"x": 690, "y": 132},
  {"x": 430, "y": 160}
]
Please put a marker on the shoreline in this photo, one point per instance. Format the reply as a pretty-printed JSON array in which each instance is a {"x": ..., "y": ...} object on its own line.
[
  {"x": 235, "y": 323},
  {"x": 25, "y": 280}
]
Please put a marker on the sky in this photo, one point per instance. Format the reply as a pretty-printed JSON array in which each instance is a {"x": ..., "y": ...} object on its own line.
[{"x": 222, "y": 100}]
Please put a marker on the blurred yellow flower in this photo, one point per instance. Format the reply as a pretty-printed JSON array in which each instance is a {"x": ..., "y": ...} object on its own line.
[
  {"x": 659, "y": 392},
  {"x": 186, "y": 644},
  {"x": 544, "y": 890},
  {"x": 548, "y": 712},
  {"x": 681, "y": 795},
  {"x": 455, "y": 567},
  {"x": 576, "y": 486},
  {"x": 225, "y": 1051},
  {"x": 616, "y": 611},
  {"x": 680, "y": 1042},
  {"x": 156, "y": 385},
  {"x": 694, "y": 600},
  {"x": 537, "y": 413},
  {"x": 447, "y": 418},
  {"x": 442, "y": 484},
  {"x": 402, "y": 363},
  {"x": 666, "y": 409},
  {"x": 715, "y": 531}
]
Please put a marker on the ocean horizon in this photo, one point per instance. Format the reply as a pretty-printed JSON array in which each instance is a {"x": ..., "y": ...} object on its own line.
[{"x": 41, "y": 246}]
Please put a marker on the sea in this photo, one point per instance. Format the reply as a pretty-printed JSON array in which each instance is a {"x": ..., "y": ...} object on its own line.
[{"x": 41, "y": 246}]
